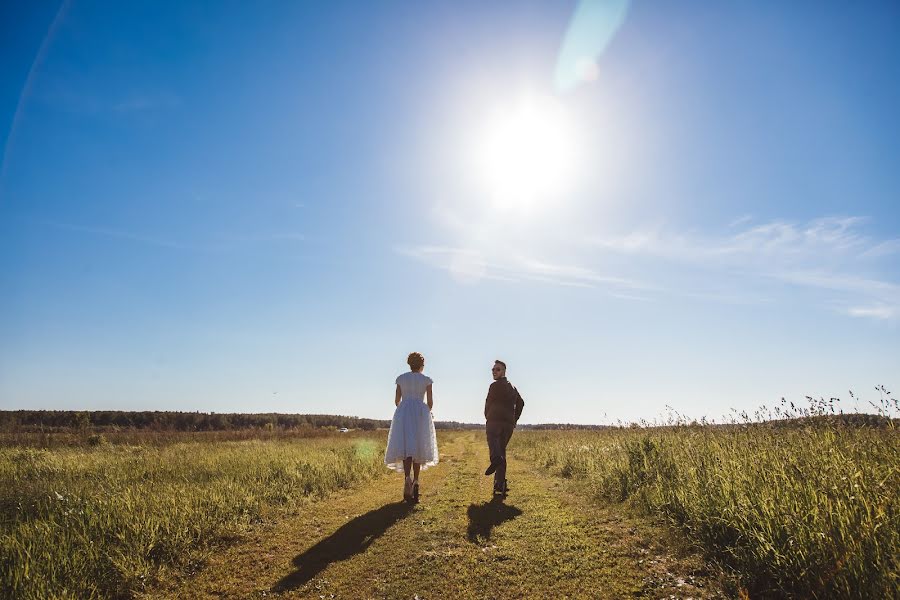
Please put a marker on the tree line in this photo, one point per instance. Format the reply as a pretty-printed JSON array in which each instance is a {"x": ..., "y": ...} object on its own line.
[
  {"x": 44, "y": 420},
  {"x": 66, "y": 420}
]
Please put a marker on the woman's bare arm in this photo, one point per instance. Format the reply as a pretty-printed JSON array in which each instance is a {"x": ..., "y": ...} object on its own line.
[
  {"x": 430, "y": 397},
  {"x": 397, "y": 396}
]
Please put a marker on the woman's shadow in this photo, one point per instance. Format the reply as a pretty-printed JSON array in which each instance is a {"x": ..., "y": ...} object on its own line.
[
  {"x": 349, "y": 540},
  {"x": 487, "y": 515}
]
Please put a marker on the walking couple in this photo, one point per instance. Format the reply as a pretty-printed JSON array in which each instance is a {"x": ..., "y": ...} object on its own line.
[{"x": 412, "y": 443}]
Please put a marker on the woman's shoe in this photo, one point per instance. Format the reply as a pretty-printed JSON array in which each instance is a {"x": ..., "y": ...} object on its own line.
[
  {"x": 415, "y": 493},
  {"x": 407, "y": 489}
]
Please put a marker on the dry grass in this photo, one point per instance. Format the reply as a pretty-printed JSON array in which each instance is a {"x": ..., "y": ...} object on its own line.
[
  {"x": 73, "y": 438},
  {"x": 99, "y": 521}
]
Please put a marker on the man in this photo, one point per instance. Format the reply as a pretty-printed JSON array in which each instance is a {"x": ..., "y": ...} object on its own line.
[{"x": 502, "y": 410}]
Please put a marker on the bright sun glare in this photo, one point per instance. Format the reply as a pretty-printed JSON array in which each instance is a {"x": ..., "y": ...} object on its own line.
[{"x": 526, "y": 154}]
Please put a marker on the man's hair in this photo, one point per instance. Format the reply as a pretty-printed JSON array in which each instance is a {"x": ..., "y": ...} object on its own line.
[{"x": 500, "y": 362}]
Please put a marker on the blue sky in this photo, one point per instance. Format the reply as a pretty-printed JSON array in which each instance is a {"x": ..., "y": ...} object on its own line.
[{"x": 264, "y": 207}]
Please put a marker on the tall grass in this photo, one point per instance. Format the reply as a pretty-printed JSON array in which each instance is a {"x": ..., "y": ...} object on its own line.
[
  {"x": 99, "y": 521},
  {"x": 801, "y": 511},
  {"x": 67, "y": 438}
]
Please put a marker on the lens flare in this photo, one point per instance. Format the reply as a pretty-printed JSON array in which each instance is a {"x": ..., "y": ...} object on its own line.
[{"x": 593, "y": 27}]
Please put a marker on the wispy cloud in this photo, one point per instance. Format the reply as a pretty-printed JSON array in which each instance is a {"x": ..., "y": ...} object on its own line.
[
  {"x": 826, "y": 253},
  {"x": 883, "y": 249},
  {"x": 122, "y": 235},
  {"x": 746, "y": 264},
  {"x": 28, "y": 86},
  {"x": 285, "y": 236},
  {"x": 79, "y": 96},
  {"x": 220, "y": 242},
  {"x": 467, "y": 265},
  {"x": 740, "y": 221},
  {"x": 878, "y": 311},
  {"x": 784, "y": 241},
  {"x": 144, "y": 101}
]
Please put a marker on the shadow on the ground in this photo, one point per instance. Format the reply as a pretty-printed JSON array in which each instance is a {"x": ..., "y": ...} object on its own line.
[
  {"x": 487, "y": 515},
  {"x": 349, "y": 540}
]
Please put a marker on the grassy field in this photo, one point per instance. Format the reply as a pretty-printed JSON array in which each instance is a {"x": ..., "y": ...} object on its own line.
[
  {"x": 100, "y": 520},
  {"x": 808, "y": 510},
  {"x": 801, "y": 508}
]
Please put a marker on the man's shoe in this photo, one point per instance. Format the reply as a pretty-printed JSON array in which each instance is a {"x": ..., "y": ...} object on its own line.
[
  {"x": 501, "y": 488},
  {"x": 490, "y": 470}
]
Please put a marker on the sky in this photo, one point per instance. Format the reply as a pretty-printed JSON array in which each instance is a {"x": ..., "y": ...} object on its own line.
[{"x": 254, "y": 207}]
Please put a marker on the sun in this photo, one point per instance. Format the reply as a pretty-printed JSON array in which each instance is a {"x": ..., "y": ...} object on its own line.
[{"x": 525, "y": 155}]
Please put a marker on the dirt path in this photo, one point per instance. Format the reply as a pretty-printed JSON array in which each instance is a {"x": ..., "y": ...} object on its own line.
[{"x": 543, "y": 541}]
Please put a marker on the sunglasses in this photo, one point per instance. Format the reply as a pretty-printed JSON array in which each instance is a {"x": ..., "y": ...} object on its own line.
[{"x": 496, "y": 370}]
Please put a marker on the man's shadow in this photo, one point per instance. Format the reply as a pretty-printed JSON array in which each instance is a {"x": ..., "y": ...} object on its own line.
[
  {"x": 487, "y": 515},
  {"x": 349, "y": 540}
]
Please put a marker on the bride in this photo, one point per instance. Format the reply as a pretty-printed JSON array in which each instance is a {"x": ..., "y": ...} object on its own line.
[{"x": 412, "y": 443}]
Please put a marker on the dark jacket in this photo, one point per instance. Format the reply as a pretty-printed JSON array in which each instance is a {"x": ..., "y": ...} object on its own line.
[{"x": 503, "y": 404}]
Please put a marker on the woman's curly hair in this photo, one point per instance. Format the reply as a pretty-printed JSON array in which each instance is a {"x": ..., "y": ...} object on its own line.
[{"x": 415, "y": 361}]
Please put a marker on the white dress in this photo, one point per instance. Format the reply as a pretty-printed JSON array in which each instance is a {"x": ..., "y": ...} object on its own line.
[{"x": 412, "y": 428}]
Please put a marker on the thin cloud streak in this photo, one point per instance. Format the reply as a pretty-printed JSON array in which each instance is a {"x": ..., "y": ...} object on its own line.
[
  {"x": 145, "y": 101},
  {"x": 881, "y": 311},
  {"x": 786, "y": 241},
  {"x": 28, "y": 86},
  {"x": 265, "y": 237},
  {"x": 829, "y": 253},
  {"x": 881, "y": 298},
  {"x": 883, "y": 249},
  {"x": 122, "y": 235},
  {"x": 227, "y": 241},
  {"x": 470, "y": 266},
  {"x": 819, "y": 254},
  {"x": 79, "y": 97}
]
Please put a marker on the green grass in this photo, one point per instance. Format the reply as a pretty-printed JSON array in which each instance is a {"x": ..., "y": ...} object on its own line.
[
  {"x": 542, "y": 541},
  {"x": 97, "y": 522},
  {"x": 807, "y": 511}
]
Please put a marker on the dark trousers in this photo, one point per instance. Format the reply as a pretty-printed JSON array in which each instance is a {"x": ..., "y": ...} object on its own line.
[{"x": 498, "y": 434}]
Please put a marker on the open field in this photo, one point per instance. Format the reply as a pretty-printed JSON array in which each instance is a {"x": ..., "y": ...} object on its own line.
[
  {"x": 769, "y": 511},
  {"x": 256, "y": 518}
]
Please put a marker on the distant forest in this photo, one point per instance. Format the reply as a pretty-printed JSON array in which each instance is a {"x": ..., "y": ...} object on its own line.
[
  {"x": 48, "y": 421},
  {"x": 65, "y": 420}
]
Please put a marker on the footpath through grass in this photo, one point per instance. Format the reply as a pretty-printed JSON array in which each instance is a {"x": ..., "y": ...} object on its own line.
[{"x": 543, "y": 541}]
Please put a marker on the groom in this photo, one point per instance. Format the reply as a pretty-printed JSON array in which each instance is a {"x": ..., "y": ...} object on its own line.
[{"x": 502, "y": 409}]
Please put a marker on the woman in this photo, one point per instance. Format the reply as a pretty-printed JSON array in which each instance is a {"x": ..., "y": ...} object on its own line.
[{"x": 412, "y": 443}]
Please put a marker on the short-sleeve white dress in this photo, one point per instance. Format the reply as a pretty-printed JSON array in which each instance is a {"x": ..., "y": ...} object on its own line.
[{"x": 412, "y": 428}]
